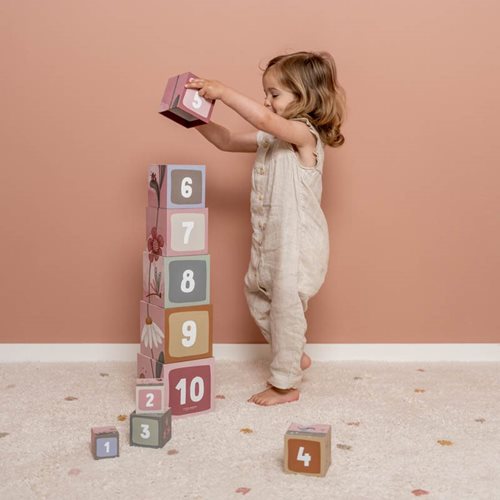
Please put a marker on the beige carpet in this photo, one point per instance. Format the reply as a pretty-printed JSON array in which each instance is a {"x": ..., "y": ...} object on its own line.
[{"x": 398, "y": 431}]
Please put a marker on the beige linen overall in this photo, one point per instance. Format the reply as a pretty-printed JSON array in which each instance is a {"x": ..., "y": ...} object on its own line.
[{"x": 289, "y": 255}]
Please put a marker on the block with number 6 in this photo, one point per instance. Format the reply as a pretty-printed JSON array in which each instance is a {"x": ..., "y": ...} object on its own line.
[
  {"x": 152, "y": 430},
  {"x": 176, "y": 186},
  {"x": 308, "y": 449},
  {"x": 105, "y": 442}
]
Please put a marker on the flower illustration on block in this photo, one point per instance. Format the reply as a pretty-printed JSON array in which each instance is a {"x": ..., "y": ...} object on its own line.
[
  {"x": 151, "y": 335},
  {"x": 155, "y": 244}
]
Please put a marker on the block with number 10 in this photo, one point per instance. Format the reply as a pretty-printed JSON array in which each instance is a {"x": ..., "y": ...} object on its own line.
[
  {"x": 308, "y": 449},
  {"x": 189, "y": 385}
]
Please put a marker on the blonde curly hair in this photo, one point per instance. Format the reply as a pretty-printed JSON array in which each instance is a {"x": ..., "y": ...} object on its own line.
[{"x": 312, "y": 78}]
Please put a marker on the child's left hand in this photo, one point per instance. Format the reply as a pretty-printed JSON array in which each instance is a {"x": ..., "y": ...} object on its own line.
[{"x": 209, "y": 89}]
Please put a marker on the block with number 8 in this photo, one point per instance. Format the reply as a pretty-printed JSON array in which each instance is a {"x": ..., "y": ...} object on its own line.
[
  {"x": 308, "y": 449},
  {"x": 185, "y": 106},
  {"x": 152, "y": 430},
  {"x": 176, "y": 186},
  {"x": 105, "y": 442},
  {"x": 176, "y": 281},
  {"x": 176, "y": 334}
]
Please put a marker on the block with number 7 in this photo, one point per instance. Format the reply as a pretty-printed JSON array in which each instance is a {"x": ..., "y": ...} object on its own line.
[{"x": 308, "y": 449}]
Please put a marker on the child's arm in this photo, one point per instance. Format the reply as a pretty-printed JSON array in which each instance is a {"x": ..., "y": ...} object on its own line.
[
  {"x": 291, "y": 131},
  {"x": 223, "y": 139}
]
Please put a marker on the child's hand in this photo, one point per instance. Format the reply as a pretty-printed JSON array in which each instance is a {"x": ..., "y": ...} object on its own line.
[{"x": 209, "y": 89}]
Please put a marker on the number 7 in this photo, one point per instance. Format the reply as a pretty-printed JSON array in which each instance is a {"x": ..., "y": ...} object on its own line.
[{"x": 188, "y": 225}]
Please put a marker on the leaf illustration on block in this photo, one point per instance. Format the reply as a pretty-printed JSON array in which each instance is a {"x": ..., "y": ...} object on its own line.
[
  {"x": 159, "y": 364},
  {"x": 153, "y": 184}
]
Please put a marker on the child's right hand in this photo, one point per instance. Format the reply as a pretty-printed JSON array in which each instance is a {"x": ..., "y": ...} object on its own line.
[{"x": 209, "y": 89}]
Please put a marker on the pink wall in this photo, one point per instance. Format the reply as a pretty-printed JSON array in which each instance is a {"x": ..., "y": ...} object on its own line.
[{"x": 412, "y": 198}]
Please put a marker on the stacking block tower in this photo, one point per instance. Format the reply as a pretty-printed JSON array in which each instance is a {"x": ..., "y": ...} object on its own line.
[
  {"x": 176, "y": 314},
  {"x": 308, "y": 449}
]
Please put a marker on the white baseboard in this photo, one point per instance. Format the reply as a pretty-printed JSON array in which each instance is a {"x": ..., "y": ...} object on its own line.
[{"x": 57, "y": 353}]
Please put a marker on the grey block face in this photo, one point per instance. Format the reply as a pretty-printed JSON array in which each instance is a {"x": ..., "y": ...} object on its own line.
[
  {"x": 190, "y": 179},
  {"x": 187, "y": 281},
  {"x": 144, "y": 431},
  {"x": 152, "y": 431},
  {"x": 106, "y": 447}
]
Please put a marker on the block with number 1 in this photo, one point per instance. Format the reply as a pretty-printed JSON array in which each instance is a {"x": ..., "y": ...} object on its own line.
[{"x": 308, "y": 449}]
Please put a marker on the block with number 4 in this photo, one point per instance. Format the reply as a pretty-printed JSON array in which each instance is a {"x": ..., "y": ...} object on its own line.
[
  {"x": 105, "y": 442},
  {"x": 308, "y": 449},
  {"x": 177, "y": 232},
  {"x": 185, "y": 106},
  {"x": 176, "y": 281},
  {"x": 176, "y": 334},
  {"x": 152, "y": 430},
  {"x": 176, "y": 186},
  {"x": 189, "y": 385},
  {"x": 150, "y": 396}
]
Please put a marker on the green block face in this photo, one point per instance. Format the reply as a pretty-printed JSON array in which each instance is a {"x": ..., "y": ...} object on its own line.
[{"x": 144, "y": 431}]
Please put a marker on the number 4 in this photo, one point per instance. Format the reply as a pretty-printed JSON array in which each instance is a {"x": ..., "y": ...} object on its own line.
[{"x": 303, "y": 457}]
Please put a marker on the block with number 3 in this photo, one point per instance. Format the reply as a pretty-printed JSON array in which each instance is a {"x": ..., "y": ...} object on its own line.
[
  {"x": 308, "y": 449},
  {"x": 185, "y": 106},
  {"x": 152, "y": 430}
]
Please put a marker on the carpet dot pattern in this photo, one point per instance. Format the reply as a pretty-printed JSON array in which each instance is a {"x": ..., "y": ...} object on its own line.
[{"x": 399, "y": 430}]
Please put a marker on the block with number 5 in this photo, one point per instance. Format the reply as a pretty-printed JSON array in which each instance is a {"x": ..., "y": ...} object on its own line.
[
  {"x": 176, "y": 334},
  {"x": 185, "y": 106},
  {"x": 176, "y": 232},
  {"x": 176, "y": 186},
  {"x": 308, "y": 449},
  {"x": 152, "y": 430},
  {"x": 176, "y": 281}
]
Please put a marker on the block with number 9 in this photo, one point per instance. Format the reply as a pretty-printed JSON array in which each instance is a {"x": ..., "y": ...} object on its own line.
[
  {"x": 152, "y": 430},
  {"x": 185, "y": 106},
  {"x": 181, "y": 334},
  {"x": 176, "y": 186},
  {"x": 308, "y": 449}
]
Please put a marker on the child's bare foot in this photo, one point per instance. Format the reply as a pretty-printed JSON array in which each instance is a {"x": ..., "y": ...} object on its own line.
[
  {"x": 274, "y": 396},
  {"x": 305, "y": 361}
]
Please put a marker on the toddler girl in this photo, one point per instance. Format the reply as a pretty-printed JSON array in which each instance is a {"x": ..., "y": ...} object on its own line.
[{"x": 303, "y": 110}]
